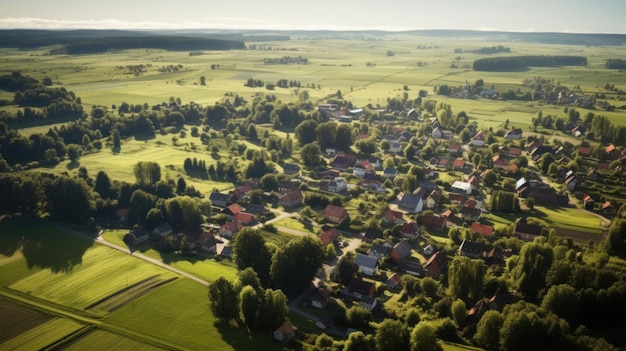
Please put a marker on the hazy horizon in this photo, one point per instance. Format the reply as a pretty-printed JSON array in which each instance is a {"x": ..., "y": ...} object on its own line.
[{"x": 603, "y": 16}]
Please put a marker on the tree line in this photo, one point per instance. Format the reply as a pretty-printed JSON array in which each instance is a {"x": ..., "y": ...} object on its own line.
[{"x": 517, "y": 63}]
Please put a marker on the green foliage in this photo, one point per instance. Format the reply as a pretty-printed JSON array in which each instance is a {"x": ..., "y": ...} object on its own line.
[{"x": 223, "y": 300}]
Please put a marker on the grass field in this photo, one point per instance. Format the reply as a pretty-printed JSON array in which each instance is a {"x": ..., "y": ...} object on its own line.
[
  {"x": 114, "y": 270},
  {"x": 100, "y": 340}
]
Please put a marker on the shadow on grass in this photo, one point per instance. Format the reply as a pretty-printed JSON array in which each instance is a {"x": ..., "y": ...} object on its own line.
[
  {"x": 43, "y": 246},
  {"x": 243, "y": 339}
]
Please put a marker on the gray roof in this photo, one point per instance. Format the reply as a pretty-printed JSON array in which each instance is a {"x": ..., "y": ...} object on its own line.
[{"x": 366, "y": 261}]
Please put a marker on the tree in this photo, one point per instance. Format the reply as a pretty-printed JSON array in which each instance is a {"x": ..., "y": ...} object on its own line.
[
  {"x": 488, "y": 330},
  {"x": 153, "y": 218},
  {"x": 564, "y": 301},
  {"x": 74, "y": 152},
  {"x": 249, "y": 305},
  {"x": 294, "y": 267},
  {"x": 490, "y": 178},
  {"x": 535, "y": 259},
  {"x": 68, "y": 199},
  {"x": 247, "y": 245},
  {"x": 358, "y": 341},
  {"x": 423, "y": 338},
  {"x": 305, "y": 132},
  {"x": 115, "y": 136},
  {"x": 465, "y": 278},
  {"x": 147, "y": 172},
  {"x": 102, "y": 185},
  {"x": 358, "y": 317},
  {"x": 310, "y": 154},
  {"x": 391, "y": 335},
  {"x": 347, "y": 268},
  {"x": 344, "y": 137},
  {"x": 140, "y": 202},
  {"x": 273, "y": 310},
  {"x": 325, "y": 134},
  {"x": 223, "y": 299},
  {"x": 181, "y": 185},
  {"x": 248, "y": 277}
]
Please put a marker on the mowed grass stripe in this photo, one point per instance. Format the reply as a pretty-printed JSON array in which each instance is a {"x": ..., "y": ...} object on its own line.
[
  {"x": 100, "y": 340},
  {"x": 42, "y": 335},
  {"x": 21, "y": 319},
  {"x": 102, "y": 272}
]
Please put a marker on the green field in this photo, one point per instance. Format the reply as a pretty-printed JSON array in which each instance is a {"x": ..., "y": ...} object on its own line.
[{"x": 41, "y": 336}]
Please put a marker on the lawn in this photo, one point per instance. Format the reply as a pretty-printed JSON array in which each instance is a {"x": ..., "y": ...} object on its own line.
[
  {"x": 179, "y": 312},
  {"x": 569, "y": 218}
]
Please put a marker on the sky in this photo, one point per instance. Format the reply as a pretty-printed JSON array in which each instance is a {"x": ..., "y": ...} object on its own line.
[{"x": 599, "y": 16}]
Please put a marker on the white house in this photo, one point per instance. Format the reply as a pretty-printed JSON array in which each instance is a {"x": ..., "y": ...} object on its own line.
[{"x": 462, "y": 187}]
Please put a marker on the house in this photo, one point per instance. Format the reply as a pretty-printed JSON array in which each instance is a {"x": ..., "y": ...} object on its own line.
[
  {"x": 330, "y": 235},
  {"x": 413, "y": 267},
  {"x": 411, "y": 203},
  {"x": 291, "y": 168},
  {"x": 471, "y": 249},
  {"x": 380, "y": 251},
  {"x": 401, "y": 251},
  {"x": 395, "y": 146},
  {"x": 476, "y": 312},
  {"x": 325, "y": 322},
  {"x": 588, "y": 202},
  {"x": 410, "y": 230},
  {"x": 207, "y": 242},
  {"x": 436, "y": 265},
  {"x": 242, "y": 192},
  {"x": 359, "y": 170},
  {"x": 437, "y": 133},
  {"x": 285, "y": 332},
  {"x": 138, "y": 236},
  {"x": 498, "y": 161},
  {"x": 390, "y": 172},
  {"x": 454, "y": 149},
  {"x": 391, "y": 217},
  {"x": 369, "y": 303},
  {"x": 433, "y": 199},
  {"x": 335, "y": 185},
  {"x": 245, "y": 218},
  {"x": 335, "y": 214},
  {"x": 513, "y": 134},
  {"x": 257, "y": 209},
  {"x": 229, "y": 229},
  {"x": 292, "y": 199},
  {"x": 394, "y": 282},
  {"x": 461, "y": 187},
  {"x": 436, "y": 223},
  {"x": 372, "y": 234},
  {"x": 514, "y": 152},
  {"x": 231, "y": 210},
  {"x": 469, "y": 213},
  {"x": 320, "y": 298},
  {"x": 482, "y": 229},
  {"x": 456, "y": 198},
  {"x": 359, "y": 288},
  {"x": 429, "y": 249},
  {"x": 458, "y": 164},
  {"x": 219, "y": 199},
  {"x": 162, "y": 230},
  {"x": 478, "y": 139},
  {"x": 225, "y": 251},
  {"x": 527, "y": 231},
  {"x": 367, "y": 264}
]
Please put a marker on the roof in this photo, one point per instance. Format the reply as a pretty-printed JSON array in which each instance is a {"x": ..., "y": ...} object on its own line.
[
  {"x": 461, "y": 185},
  {"x": 292, "y": 196},
  {"x": 380, "y": 250},
  {"x": 434, "y": 220},
  {"x": 231, "y": 226},
  {"x": 482, "y": 229},
  {"x": 335, "y": 211},
  {"x": 361, "y": 287},
  {"x": 366, "y": 261},
  {"x": 234, "y": 208},
  {"x": 472, "y": 247},
  {"x": 373, "y": 233},
  {"x": 409, "y": 201},
  {"x": 291, "y": 168},
  {"x": 286, "y": 329},
  {"x": 403, "y": 248}
]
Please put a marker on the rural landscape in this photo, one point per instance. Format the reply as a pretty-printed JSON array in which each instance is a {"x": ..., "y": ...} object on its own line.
[{"x": 312, "y": 190}]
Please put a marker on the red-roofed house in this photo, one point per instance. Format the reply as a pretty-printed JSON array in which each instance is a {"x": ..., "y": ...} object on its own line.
[
  {"x": 231, "y": 210},
  {"x": 329, "y": 236},
  {"x": 435, "y": 223},
  {"x": 482, "y": 229},
  {"x": 392, "y": 217},
  {"x": 293, "y": 198},
  {"x": 335, "y": 214},
  {"x": 584, "y": 151},
  {"x": 245, "y": 218},
  {"x": 410, "y": 230},
  {"x": 285, "y": 333},
  {"x": 229, "y": 229},
  {"x": 436, "y": 265}
]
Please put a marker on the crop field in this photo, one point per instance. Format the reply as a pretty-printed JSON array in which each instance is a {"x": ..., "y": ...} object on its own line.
[
  {"x": 22, "y": 319},
  {"x": 114, "y": 271},
  {"x": 42, "y": 335}
]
